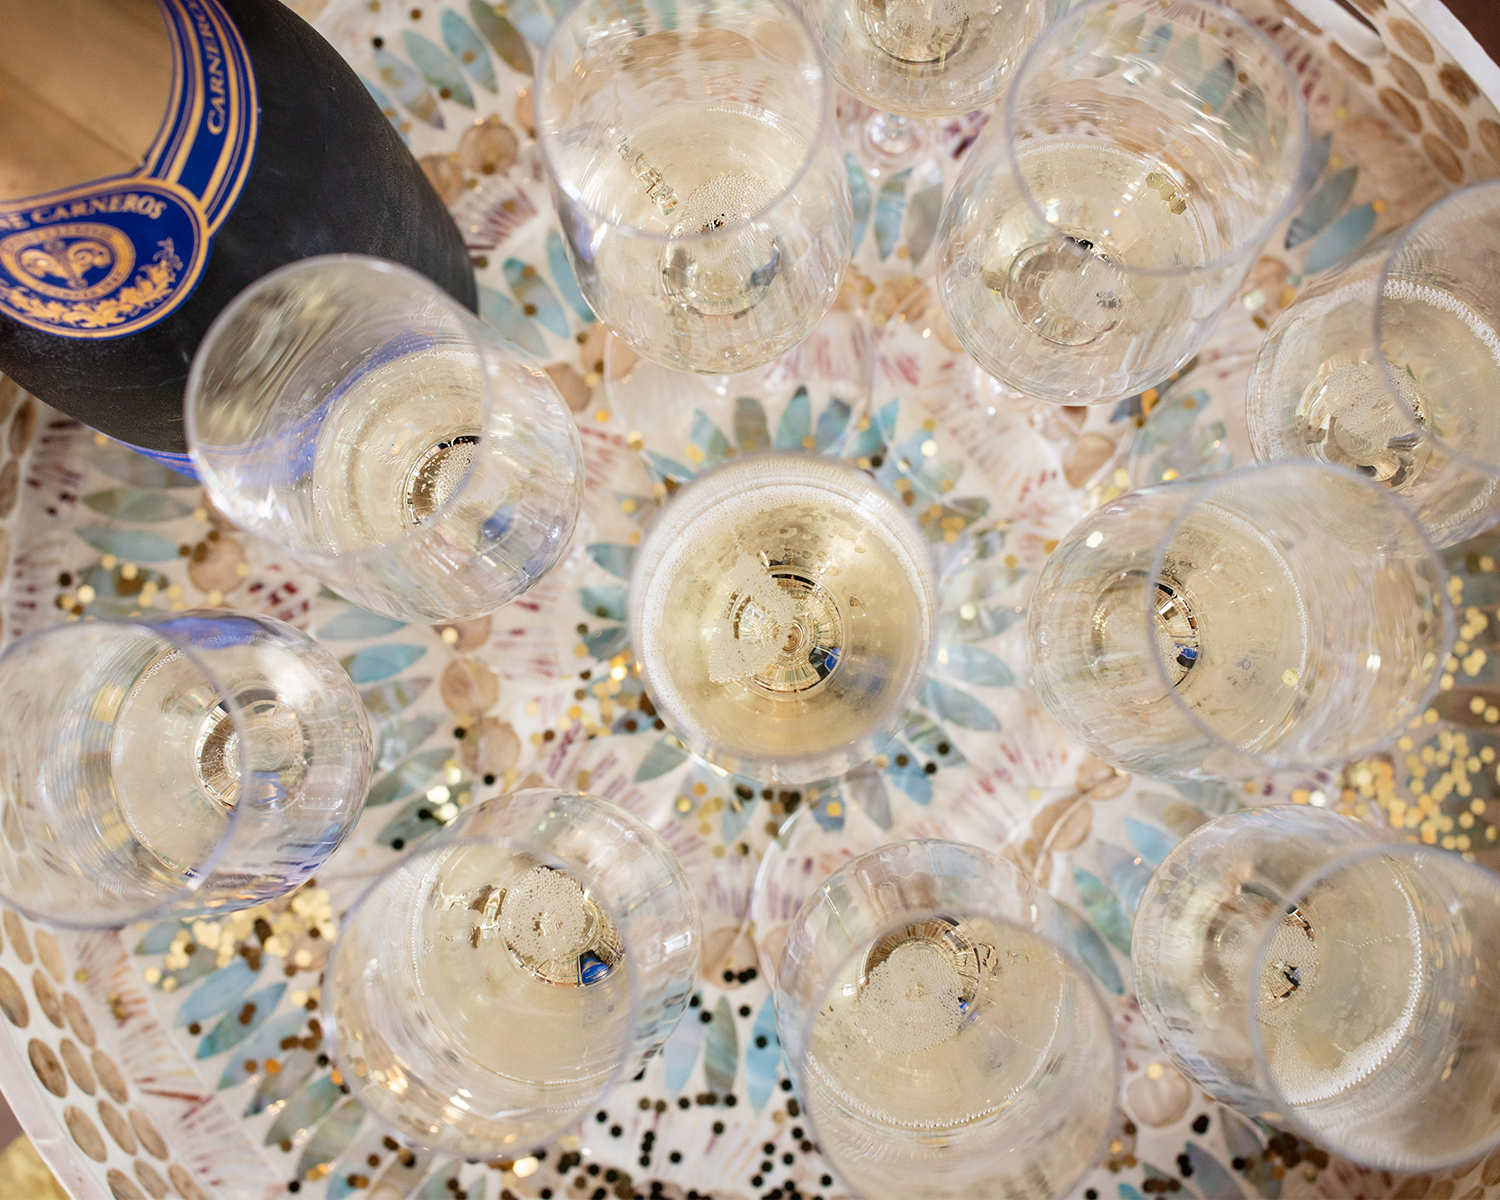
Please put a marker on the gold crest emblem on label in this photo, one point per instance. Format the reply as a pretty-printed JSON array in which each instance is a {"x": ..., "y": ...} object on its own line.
[{"x": 80, "y": 261}]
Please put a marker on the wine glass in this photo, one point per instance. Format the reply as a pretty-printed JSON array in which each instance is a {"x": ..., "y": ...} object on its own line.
[
  {"x": 1284, "y": 616},
  {"x": 944, "y": 1043},
  {"x": 913, "y": 59},
  {"x": 697, "y": 175},
  {"x": 182, "y": 765},
  {"x": 1315, "y": 974},
  {"x": 1099, "y": 230},
  {"x": 782, "y": 609},
  {"x": 1391, "y": 366},
  {"x": 489, "y": 988},
  {"x": 351, "y": 413}
]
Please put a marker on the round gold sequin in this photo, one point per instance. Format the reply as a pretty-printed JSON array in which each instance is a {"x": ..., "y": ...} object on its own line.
[
  {"x": 78, "y": 1066},
  {"x": 46, "y": 998},
  {"x": 83, "y": 1028},
  {"x": 12, "y": 1001},
  {"x": 184, "y": 1184},
  {"x": 118, "y": 1126},
  {"x": 85, "y": 1133},
  {"x": 150, "y": 1180},
  {"x": 110, "y": 1077},
  {"x": 48, "y": 951},
  {"x": 120, "y": 1186},
  {"x": 44, "y": 1062},
  {"x": 150, "y": 1139}
]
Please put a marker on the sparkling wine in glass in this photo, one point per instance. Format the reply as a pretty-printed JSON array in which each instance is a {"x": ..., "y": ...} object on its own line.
[
  {"x": 352, "y": 414},
  {"x": 491, "y": 987},
  {"x": 782, "y": 609},
  {"x": 1391, "y": 367},
  {"x": 697, "y": 174},
  {"x": 1101, "y": 227},
  {"x": 915, "y": 59},
  {"x": 1314, "y": 973},
  {"x": 1285, "y": 616},
  {"x": 202, "y": 762},
  {"x": 944, "y": 1043}
]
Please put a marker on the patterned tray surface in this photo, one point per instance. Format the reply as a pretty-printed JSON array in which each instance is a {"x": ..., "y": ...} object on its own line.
[{"x": 186, "y": 1058}]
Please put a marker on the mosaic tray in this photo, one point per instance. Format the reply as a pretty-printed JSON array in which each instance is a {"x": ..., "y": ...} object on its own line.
[{"x": 187, "y": 1059}]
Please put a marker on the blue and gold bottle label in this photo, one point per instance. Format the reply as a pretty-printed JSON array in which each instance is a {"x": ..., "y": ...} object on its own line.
[{"x": 108, "y": 258}]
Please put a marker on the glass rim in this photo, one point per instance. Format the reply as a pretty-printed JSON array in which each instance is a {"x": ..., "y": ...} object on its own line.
[
  {"x": 672, "y": 553},
  {"x": 244, "y": 515},
  {"x": 1389, "y": 847},
  {"x": 1410, "y": 233},
  {"x": 202, "y": 870},
  {"x": 437, "y": 846},
  {"x": 547, "y": 139},
  {"x": 1073, "y": 963},
  {"x": 1248, "y": 244},
  {"x": 1198, "y": 491}
]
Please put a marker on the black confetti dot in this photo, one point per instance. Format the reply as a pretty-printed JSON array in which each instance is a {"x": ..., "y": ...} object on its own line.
[
  {"x": 718, "y": 1126},
  {"x": 1200, "y": 1125},
  {"x": 601, "y": 1116},
  {"x": 744, "y": 1010},
  {"x": 489, "y": 780},
  {"x": 398, "y": 843},
  {"x": 675, "y": 1156},
  {"x": 705, "y": 1016}
]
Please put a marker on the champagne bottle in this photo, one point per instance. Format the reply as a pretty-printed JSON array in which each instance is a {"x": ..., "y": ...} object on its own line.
[{"x": 156, "y": 157}]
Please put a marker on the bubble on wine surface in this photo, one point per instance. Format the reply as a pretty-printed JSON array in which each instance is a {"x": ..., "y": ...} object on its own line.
[
  {"x": 916, "y": 31},
  {"x": 1069, "y": 292},
  {"x": 551, "y": 928},
  {"x": 730, "y": 264},
  {"x": 437, "y": 475},
  {"x": 918, "y": 985}
]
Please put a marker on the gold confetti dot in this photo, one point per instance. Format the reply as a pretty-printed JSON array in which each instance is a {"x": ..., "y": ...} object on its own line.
[
  {"x": 1290, "y": 677},
  {"x": 1154, "y": 1071},
  {"x": 602, "y": 415}
]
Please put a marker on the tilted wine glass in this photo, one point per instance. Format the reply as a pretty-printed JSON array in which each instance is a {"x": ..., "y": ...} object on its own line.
[
  {"x": 489, "y": 988},
  {"x": 944, "y": 1042},
  {"x": 697, "y": 175},
  {"x": 782, "y": 608},
  {"x": 1318, "y": 975},
  {"x": 180, "y": 765},
  {"x": 355, "y": 416},
  {"x": 1292, "y": 615},
  {"x": 1391, "y": 366},
  {"x": 1099, "y": 230}
]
